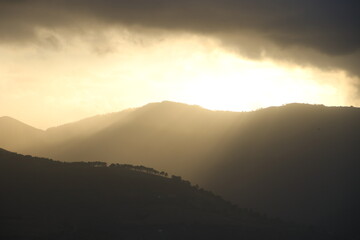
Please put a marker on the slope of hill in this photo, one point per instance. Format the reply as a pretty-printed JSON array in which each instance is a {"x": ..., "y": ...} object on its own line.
[
  {"x": 86, "y": 127},
  {"x": 298, "y": 162},
  {"x": 43, "y": 199},
  {"x": 167, "y": 136},
  {"x": 18, "y": 136}
]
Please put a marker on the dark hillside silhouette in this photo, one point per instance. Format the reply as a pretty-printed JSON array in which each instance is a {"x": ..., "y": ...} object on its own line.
[
  {"x": 44, "y": 199},
  {"x": 298, "y": 162}
]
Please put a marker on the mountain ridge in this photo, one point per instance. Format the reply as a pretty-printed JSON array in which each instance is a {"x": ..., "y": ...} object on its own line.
[
  {"x": 284, "y": 161},
  {"x": 174, "y": 104}
]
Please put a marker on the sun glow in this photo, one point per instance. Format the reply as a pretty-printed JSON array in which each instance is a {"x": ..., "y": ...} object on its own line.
[
  {"x": 241, "y": 85},
  {"x": 46, "y": 87}
]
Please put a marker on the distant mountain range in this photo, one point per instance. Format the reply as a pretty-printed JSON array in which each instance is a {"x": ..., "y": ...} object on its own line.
[
  {"x": 44, "y": 199},
  {"x": 297, "y": 162}
]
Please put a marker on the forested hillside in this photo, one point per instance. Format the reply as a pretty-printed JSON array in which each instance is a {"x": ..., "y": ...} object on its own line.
[{"x": 44, "y": 199}]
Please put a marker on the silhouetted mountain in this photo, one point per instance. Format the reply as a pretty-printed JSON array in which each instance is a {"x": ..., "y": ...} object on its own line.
[
  {"x": 298, "y": 161},
  {"x": 168, "y": 136},
  {"x": 44, "y": 199}
]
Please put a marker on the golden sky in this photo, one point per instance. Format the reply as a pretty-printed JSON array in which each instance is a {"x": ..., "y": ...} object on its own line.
[{"x": 57, "y": 72}]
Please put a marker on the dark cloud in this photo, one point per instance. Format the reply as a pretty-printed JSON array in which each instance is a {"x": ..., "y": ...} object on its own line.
[{"x": 329, "y": 28}]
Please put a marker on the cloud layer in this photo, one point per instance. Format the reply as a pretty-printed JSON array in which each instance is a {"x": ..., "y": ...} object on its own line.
[{"x": 323, "y": 33}]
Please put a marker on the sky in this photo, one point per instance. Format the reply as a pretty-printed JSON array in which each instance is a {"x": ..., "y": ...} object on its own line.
[{"x": 64, "y": 60}]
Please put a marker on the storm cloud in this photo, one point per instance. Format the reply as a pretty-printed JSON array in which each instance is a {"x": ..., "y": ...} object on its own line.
[{"x": 322, "y": 33}]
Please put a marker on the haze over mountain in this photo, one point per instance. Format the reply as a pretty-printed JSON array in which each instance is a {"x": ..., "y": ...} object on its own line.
[
  {"x": 17, "y": 135},
  {"x": 298, "y": 161},
  {"x": 44, "y": 199},
  {"x": 64, "y": 60}
]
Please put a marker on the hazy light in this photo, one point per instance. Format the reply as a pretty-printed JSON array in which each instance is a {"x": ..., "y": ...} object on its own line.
[
  {"x": 50, "y": 85},
  {"x": 241, "y": 85}
]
